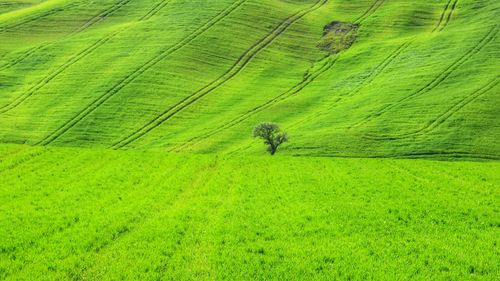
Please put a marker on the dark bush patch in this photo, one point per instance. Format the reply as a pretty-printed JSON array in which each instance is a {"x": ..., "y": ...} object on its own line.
[{"x": 338, "y": 36}]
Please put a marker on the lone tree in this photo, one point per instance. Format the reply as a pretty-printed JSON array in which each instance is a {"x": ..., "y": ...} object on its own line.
[{"x": 271, "y": 134}]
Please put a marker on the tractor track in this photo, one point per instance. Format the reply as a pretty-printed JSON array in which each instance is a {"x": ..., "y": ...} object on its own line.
[
  {"x": 40, "y": 16},
  {"x": 86, "y": 51},
  {"x": 136, "y": 73},
  {"x": 379, "y": 69},
  {"x": 117, "y": 233},
  {"x": 436, "y": 155},
  {"x": 371, "y": 10},
  {"x": 155, "y": 10},
  {"x": 443, "y": 15},
  {"x": 22, "y": 57},
  {"x": 237, "y": 67},
  {"x": 449, "y": 154},
  {"x": 101, "y": 16},
  {"x": 430, "y": 126},
  {"x": 299, "y": 86},
  {"x": 450, "y": 14},
  {"x": 308, "y": 79},
  {"x": 18, "y": 100},
  {"x": 23, "y": 159},
  {"x": 436, "y": 81}
]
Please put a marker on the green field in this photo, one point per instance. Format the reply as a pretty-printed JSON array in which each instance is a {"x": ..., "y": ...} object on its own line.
[
  {"x": 126, "y": 147},
  {"x": 85, "y": 214},
  {"x": 419, "y": 80}
]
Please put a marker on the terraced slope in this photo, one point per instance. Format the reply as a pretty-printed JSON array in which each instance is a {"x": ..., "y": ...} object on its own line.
[{"x": 421, "y": 79}]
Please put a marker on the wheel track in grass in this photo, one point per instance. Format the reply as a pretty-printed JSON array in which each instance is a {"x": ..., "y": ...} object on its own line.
[
  {"x": 44, "y": 81},
  {"x": 182, "y": 204},
  {"x": 449, "y": 154},
  {"x": 450, "y": 14},
  {"x": 155, "y": 10},
  {"x": 86, "y": 51},
  {"x": 138, "y": 72},
  {"x": 39, "y": 16},
  {"x": 233, "y": 71},
  {"x": 22, "y": 57},
  {"x": 436, "y": 81},
  {"x": 170, "y": 209},
  {"x": 308, "y": 79},
  {"x": 433, "y": 124},
  {"x": 379, "y": 69},
  {"x": 130, "y": 224},
  {"x": 442, "y": 174},
  {"x": 443, "y": 15},
  {"x": 101, "y": 16},
  {"x": 23, "y": 159},
  {"x": 50, "y": 233},
  {"x": 301, "y": 85},
  {"x": 436, "y": 155},
  {"x": 11, "y": 153},
  {"x": 408, "y": 171},
  {"x": 371, "y": 10}
]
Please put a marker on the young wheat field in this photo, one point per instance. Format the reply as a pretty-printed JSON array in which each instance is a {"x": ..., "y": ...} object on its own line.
[{"x": 126, "y": 147}]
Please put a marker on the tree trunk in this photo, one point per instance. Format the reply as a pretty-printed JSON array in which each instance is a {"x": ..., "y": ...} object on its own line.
[{"x": 273, "y": 150}]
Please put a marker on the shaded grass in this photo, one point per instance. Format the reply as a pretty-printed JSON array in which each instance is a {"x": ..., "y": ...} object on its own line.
[{"x": 370, "y": 91}]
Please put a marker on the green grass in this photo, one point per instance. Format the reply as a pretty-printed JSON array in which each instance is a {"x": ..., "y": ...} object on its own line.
[
  {"x": 419, "y": 80},
  {"x": 10, "y": 6},
  {"x": 126, "y": 148},
  {"x": 98, "y": 214}
]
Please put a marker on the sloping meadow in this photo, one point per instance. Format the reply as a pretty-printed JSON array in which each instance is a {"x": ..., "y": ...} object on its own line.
[{"x": 344, "y": 78}]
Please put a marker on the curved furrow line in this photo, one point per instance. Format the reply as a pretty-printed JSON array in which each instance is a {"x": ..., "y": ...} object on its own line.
[
  {"x": 372, "y": 9},
  {"x": 436, "y": 81},
  {"x": 432, "y": 125},
  {"x": 379, "y": 69},
  {"x": 449, "y": 154},
  {"x": 448, "y": 19},
  {"x": 40, "y": 16},
  {"x": 308, "y": 79},
  {"x": 240, "y": 64},
  {"x": 31, "y": 19},
  {"x": 138, "y": 72},
  {"x": 155, "y": 10},
  {"x": 44, "y": 81},
  {"x": 22, "y": 57},
  {"x": 11, "y": 153},
  {"x": 101, "y": 16},
  {"x": 419, "y": 155},
  {"x": 443, "y": 14},
  {"x": 24, "y": 159}
]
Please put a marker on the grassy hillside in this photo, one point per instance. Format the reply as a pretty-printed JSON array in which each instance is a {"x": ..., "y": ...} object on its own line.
[
  {"x": 126, "y": 150},
  {"x": 86, "y": 214},
  {"x": 421, "y": 78}
]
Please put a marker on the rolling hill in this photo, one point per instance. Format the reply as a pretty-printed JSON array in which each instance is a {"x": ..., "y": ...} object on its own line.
[
  {"x": 126, "y": 149},
  {"x": 421, "y": 79}
]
